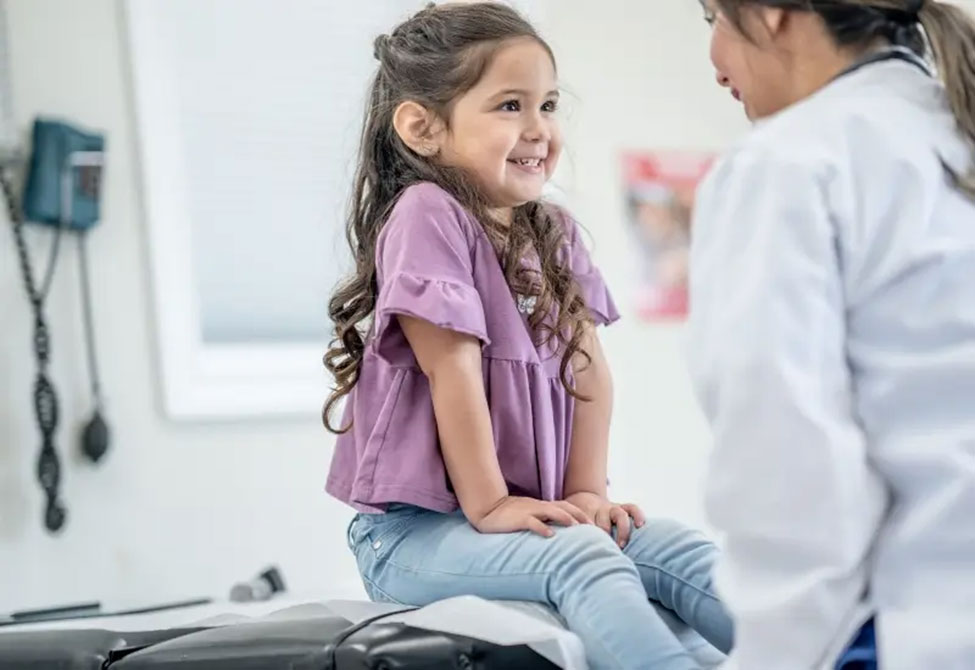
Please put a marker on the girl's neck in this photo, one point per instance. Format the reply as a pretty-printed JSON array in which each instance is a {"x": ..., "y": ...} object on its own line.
[{"x": 502, "y": 215}]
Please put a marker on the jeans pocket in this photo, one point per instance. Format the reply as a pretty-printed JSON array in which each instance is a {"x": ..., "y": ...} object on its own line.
[
  {"x": 375, "y": 536},
  {"x": 379, "y": 534},
  {"x": 386, "y": 534}
]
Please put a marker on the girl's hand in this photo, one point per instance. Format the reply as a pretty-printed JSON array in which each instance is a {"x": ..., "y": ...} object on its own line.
[
  {"x": 515, "y": 513},
  {"x": 606, "y": 514}
]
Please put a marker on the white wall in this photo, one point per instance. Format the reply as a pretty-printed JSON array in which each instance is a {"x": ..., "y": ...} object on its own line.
[
  {"x": 175, "y": 509},
  {"x": 182, "y": 509}
]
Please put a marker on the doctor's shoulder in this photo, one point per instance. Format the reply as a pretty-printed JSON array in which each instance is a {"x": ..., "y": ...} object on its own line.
[{"x": 822, "y": 136}]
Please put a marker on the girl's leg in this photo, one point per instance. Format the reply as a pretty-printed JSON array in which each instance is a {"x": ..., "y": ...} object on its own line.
[
  {"x": 417, "y": 557},
  {"x": 675, "y": 565}
]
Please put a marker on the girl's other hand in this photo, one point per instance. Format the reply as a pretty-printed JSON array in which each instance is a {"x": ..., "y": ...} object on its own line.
[{"x": 606, "y": 514}]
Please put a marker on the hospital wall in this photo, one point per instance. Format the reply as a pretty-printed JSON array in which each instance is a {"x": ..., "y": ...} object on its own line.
[{"x": 184, "y": 509}]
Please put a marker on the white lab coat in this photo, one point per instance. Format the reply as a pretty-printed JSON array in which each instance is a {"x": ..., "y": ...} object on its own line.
[{"x": 832, "y": 347}]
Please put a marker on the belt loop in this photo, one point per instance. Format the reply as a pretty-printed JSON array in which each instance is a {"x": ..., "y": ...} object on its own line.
[{"x": 350, "y": 532}]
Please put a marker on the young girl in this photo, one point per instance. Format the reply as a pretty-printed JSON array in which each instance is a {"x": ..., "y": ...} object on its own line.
[
  {"x": 834, "y": 272},
  {"x": 466, "y": 347}
]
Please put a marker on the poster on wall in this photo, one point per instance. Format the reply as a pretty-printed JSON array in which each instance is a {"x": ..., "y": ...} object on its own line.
[{"x": 659, "y": 188}]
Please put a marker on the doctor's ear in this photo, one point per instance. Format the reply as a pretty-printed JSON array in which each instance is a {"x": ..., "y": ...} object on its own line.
[
  {"x": 773, "y": 19},
  {"x": 761, "y": 24}
]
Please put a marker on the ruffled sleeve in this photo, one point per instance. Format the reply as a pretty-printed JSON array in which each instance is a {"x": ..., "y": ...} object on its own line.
[
  {"x": 590, "y": 280},
  {"x": 425, "y": 269}
]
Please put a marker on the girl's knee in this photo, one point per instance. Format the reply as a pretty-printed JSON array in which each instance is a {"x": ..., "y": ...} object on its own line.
[
  {"x": 584, "y": 538},
  {"x": 582, "y": 558},
  {"x": 667, "y": 534},
  {"x": 664, "y": 542},
  {"x": 671, "y": 528},
  {"x": 579, "y": 548}
]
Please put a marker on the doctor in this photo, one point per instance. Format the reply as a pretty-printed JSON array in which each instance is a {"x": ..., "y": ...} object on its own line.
[{"x": 833, "y": 332}]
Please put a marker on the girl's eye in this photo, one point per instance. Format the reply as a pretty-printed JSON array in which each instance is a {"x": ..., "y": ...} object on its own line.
[
  {"x": 710, "y": 16},
  {"x": 510, "y": 106},
  {"x": 550, "y": 106}
]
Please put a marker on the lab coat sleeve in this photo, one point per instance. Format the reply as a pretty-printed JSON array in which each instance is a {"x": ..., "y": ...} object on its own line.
[{"x": 789, "y": 486}]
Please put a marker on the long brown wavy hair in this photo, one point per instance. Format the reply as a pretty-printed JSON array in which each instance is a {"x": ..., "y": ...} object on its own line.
[
  {"x": 914, "y": 24},
  {"x": 434, "y": 57}
]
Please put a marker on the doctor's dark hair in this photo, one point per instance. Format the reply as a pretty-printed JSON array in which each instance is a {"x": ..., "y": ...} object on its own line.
[
  {"x": 950, "y": 31},
  {"x": 432, "y": 58}
]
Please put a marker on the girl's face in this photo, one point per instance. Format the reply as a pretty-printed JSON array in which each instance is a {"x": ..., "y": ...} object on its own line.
[
  {"x": 504, "y": 130},
  {"x": 752, "y": 69}
]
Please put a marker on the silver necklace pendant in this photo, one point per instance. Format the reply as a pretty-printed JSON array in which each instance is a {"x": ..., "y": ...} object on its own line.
[{"x": 526, "y": 304}]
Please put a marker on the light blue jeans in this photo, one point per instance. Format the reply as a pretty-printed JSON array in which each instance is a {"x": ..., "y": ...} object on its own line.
[{"x": 413, "y": 556}]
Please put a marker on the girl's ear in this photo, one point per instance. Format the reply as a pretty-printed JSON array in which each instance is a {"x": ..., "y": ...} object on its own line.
[{"x": 418, "y": 128}]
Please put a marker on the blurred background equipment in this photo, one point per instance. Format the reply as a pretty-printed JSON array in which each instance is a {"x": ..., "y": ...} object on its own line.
[{"x": 62, "y": 192}]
